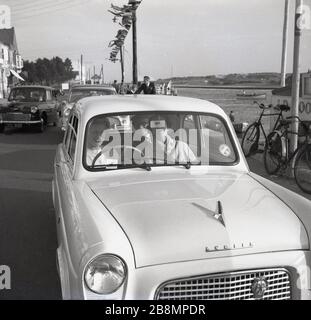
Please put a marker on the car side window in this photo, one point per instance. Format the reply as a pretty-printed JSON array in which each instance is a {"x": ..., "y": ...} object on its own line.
[
  {"x": 75, "y": 124},
  {"x": 73, "y": 127},
  {"x": 68, "y": 134}
]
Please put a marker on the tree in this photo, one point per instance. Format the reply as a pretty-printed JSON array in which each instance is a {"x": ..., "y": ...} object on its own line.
[
  {"x": 45, "y": 71},
  {"x": 30, "y": 72}
]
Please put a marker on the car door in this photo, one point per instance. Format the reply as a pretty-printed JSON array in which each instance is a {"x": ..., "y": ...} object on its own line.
[{"x": 64, "y": 194}]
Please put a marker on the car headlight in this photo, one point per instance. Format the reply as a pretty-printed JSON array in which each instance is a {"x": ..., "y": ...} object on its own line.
[
  {"x": 105, "y": 274},
  {"x": 33, "y": 109}
]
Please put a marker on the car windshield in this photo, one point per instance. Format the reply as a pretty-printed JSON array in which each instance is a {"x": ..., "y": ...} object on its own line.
[
  {"x": 79, "y": 93},
  {"x": 27, "y": 95},
  {"x": 148, "y": 139}
]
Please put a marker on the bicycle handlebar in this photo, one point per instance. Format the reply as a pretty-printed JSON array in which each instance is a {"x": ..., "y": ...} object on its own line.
[{"x": 262, "y": 106}]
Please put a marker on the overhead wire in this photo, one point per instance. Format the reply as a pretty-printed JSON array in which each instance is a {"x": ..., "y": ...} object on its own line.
[
  {"x": 43, "y": 6},
  {"x": 17, "y": 19},
  {"x": 31, "y": 4}
]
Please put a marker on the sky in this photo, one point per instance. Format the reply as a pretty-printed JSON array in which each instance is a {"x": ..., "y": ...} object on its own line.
[{"x": 175, "y": 37}]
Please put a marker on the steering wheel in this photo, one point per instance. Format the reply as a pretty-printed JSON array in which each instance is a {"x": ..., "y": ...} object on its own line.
[{"x": 116, "y": 147}]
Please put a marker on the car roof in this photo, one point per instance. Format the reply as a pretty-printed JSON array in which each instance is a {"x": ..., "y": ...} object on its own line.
[
  {"x": 96, "y": 105},
  {"x": 34, "y": 87}
]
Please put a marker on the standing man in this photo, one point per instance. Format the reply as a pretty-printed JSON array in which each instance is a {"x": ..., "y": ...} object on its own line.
[
  {"x": 116, "y": 86},
  {"x": 147, "y": 87}
]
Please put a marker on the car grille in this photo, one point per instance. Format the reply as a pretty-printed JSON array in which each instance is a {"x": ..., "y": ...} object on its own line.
[
  {"x": 228, "y": 286},
  {"x": 16, "y": 116}
]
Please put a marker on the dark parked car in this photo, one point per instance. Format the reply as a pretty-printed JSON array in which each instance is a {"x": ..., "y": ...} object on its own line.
[{"x": 30, "y": 106}]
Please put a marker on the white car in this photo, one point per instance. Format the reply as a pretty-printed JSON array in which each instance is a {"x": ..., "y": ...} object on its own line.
[{"x": 154, "y": 200}]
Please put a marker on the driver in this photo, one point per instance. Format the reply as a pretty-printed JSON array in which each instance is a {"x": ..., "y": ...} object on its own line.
[{"x": 95, "y": 139}]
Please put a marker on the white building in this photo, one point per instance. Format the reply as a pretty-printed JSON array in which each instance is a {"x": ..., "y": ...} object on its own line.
[{"x": 11, "y": 63}]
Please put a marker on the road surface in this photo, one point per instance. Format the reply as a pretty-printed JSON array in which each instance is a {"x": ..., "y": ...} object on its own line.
[{"x": 27, "y": 224}]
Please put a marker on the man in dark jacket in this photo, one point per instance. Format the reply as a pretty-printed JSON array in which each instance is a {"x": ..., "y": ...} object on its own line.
[{"x": 147, "y": 87}]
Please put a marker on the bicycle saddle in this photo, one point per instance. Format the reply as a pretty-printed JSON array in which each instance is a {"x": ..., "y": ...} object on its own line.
[{"x": 282, "y": 107}]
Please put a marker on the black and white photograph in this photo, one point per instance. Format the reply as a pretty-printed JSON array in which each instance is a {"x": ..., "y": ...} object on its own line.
[{"x": 155, "y": 150}]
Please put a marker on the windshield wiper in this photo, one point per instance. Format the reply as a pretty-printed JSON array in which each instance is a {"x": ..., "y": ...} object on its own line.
[
  {"x": 143, "y": 166},
  {"x": 187, "y": 165},
  {"x": 121, "y": 166}
]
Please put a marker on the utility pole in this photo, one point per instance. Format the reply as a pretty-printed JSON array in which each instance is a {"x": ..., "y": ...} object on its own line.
[
  {"x": 122, "y": 66},
  {"x": 81, "y": 66},
  {"x": 296, "y": 75},
  {"x": 284, "y": 44},
  {"x": 134, "y": 5},
  {"x": 102, "y": 74}
]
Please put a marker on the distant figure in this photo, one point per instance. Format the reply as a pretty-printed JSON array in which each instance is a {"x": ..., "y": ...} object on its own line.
[
  {"x": 122, "y": 88},
  {"x": 231, "y": 116},
  {"x": 115, "y": 85},
  {"x": 147, "y": 87},
  {"x": 168, "y": 88}
]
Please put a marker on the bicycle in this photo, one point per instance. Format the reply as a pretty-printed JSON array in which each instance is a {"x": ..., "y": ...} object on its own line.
[
  {"x": 277, "y": 156},
  {"x": 252, "y": 134}
]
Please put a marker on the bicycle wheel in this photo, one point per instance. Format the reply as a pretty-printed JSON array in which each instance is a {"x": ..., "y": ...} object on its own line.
[
  {"x": 273, "y": 153},
  {"x": 250, "y": 140},
  {"x": 302, "y": 169}
]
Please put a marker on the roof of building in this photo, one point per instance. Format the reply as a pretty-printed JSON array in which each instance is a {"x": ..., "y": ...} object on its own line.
[{"x": 7, "y": 37}]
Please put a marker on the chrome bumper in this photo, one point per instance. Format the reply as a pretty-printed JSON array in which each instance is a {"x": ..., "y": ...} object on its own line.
[{"x": 20, "y": 122}]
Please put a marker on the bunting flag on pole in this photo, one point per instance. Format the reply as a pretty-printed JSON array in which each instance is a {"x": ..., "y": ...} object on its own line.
[
  {"x": 116, "y": 8},
  {"x": 125, "y": 13},
  {"x": 126, "y": 22}
]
